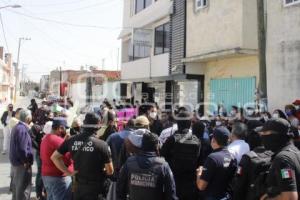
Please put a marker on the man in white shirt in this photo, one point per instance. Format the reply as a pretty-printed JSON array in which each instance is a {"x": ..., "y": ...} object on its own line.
[{"x": 238, "y": 146}]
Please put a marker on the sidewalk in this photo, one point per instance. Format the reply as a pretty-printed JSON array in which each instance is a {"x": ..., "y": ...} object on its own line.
[{"x": 5, "y": 172}]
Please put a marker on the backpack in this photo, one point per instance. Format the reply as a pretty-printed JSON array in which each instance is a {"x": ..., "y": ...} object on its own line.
[
  {"x": 259, "y": 170},
  {"x": 186, "y": 152}
]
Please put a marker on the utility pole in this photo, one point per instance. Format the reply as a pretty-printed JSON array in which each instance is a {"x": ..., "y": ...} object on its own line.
[
  {"x": 17, "y": 73},
  {"x": 118, "y": 57},
  {"x": 262, "y": 86},
  {"x": 60, "y": 82},
  {"x": 103, "y": 62}
]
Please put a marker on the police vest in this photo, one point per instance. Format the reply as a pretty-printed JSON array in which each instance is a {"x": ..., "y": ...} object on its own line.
[{"x": 146, "y": 183}]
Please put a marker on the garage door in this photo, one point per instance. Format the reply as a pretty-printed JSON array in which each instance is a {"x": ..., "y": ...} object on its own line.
[{"x": 232, "y": 91}]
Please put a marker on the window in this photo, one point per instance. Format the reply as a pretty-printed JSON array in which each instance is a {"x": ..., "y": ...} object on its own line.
[
  {"x": 136, "y": 52},
  {"x": 291, "y": 2},
  {"x": 162, "y": 39},
  {"x": 141, "y": 5},
  {"x": 199, "y": 4}
]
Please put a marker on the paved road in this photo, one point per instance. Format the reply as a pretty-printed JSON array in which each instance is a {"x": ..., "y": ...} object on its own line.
[{"x": 5, "y": 165}]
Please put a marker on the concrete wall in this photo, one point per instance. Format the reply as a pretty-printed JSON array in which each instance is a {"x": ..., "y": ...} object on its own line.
[
  {"x": 223, "y": 24},
  {"x": 283, "y": 53},
  {"x": 136, "y": 69},
  {"x": 109, "y": 90},
  {"x": 228, "y": 68}
]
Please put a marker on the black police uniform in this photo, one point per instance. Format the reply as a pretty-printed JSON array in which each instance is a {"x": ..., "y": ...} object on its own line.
[
  {"x": 247, "y": 172},
  {"x": 146, "y": 177},
  {"x": 218, "y": 172},
  {"x": 284, "y": 173},
  {"x": 89, "y": 161}
]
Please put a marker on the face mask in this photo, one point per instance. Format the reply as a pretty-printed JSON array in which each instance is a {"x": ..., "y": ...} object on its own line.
[
  {"x": 289, "y": 113},
  {"x": 233, "y": 112},
  {"x": 153, "y": 115},
  {"x": 275, "y": 115},
  {"x": 266, "y": 118},
  {"x": 218, "y": 123},
  {"x": 274, "y": 142},
  {"x": 250, "y": 112}
]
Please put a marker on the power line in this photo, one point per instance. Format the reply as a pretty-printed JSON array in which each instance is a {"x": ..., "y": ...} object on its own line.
[
  {"x": 79, "y": 9},
  {"x": 4, "y": 35},
  {"x": 55, "y": 4},
  {"x": 69, "y": 24}
]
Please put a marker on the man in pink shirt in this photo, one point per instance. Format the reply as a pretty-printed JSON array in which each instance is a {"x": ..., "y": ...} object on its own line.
[{"x": 57, "y": 184}]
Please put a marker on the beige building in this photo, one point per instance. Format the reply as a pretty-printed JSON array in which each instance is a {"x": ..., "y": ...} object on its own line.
[
  {"x": 221, "y": 44},
  {"x": 6, "y": 77},
  {"x": 283, "y": 52}
]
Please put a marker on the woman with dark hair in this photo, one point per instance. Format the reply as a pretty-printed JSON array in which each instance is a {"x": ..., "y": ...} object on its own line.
[
  {"x": 279, "y": 114},
  {"x": 290, "y": 111}
]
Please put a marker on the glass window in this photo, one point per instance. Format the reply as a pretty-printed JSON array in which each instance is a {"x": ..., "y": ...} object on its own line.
[
  {"x": 159, "y": 40},
  {"x": 130, "y": 51},
  {"x": 139, "y": 5},
  {"x": 166, "y": 37},
  {"x": 136, "y": 52},
  {"x": 200, "y": 4},
  {"x": 291, "y": 2},
  {"x": 162, "y": 39},
  {"x": 148, "y": 3}
]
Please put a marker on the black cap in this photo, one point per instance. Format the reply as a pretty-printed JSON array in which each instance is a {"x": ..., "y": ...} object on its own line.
[
  {"x": 279, "y": 125},
  {"x": 59, "y": 121},
  {"x": 221, "y": 134},
  {"x": 91, "y": 119}
]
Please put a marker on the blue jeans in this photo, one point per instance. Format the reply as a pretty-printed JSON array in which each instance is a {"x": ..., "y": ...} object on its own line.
[{"x": 58, "y": 188}]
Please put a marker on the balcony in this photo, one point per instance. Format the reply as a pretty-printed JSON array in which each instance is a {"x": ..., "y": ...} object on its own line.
[
  {"x": 158, "y": 10},
  {"x": 146, "y": 68}
]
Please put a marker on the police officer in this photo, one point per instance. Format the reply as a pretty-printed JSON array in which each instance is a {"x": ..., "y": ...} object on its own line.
[
  {"x": 214, "y": 178},
  {"x": 145, "y": 175},
  {"x": 253, "y": 165},
  {"x": 182, "y": 152},
  {"x": 92, "y": 160},
  {"x": 283, "y": 181}
]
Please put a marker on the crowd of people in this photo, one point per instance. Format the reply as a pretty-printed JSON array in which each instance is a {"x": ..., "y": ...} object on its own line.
[{"x": 154, "y": 154}]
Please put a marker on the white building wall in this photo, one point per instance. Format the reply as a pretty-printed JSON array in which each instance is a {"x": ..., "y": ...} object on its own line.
[
  {"x": 77, "y": 92},
  {"x": 283, "y": 53},
  {"x": 151, "y": 17}
]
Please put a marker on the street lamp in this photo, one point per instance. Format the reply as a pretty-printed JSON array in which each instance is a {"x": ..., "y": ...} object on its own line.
[
  {"x": 17, "y": 67},
  {"x": 11, "y": 6}
]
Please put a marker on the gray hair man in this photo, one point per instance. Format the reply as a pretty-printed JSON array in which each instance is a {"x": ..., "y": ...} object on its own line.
[
  {"x": 238, "y": 146},
  {"x": 21, "y": 157}
]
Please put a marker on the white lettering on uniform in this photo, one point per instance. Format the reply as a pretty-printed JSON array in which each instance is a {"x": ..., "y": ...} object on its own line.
[{"x": 143, "y": 180}]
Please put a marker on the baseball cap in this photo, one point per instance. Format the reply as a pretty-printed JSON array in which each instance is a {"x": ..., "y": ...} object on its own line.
[
  {"x": 91, "y": 119},
  {"x": 279, "y": 125},
  {"x": 141, "y": 121},
  {"x": 136, "y": 137},
  {"x": 59, "y": 121},
  {"x": 221, "y": 133}
]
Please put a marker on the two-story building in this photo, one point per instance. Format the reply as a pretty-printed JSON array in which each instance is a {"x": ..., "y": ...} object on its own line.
[
  {"x": 156, "y": 72},
  {"x": 222, "y": 45},
  {"x": 6, "y": 77},
  {"x": 283, "y": 52}
]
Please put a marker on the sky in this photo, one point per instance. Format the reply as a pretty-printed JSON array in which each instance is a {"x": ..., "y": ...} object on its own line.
[{"x": 63, "y": 33}]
